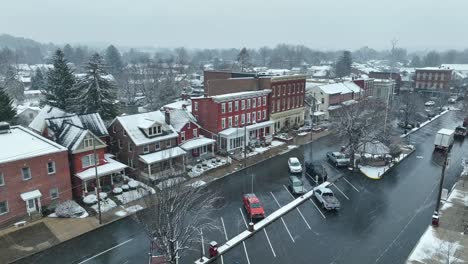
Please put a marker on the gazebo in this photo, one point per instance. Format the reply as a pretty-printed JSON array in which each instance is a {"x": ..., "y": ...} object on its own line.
[{"x": 374, "y": 152}]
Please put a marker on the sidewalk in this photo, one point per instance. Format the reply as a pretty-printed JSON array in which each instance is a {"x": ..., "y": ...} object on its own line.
[
  {"x": 447, "y": 243},
  {"x": 376, "y": 173},
  {"x": 19, "y": 242}
]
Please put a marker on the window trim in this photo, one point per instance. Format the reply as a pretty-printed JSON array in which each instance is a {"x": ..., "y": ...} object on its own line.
[
  {"x": 29, "y": 172},
  {"x": 223, "y": 108},
  {"x": 157, "y": 145},
  {"x": 2, "y": 176},
  {"x": 195, "y": 132},
  {"x": 147, "y": 148},
  {"x": 50, "y": 193},
  {"x": 53, "y": 166},
  {"x": 236, "y": 105},
  {"x": 6, "y": 206},
  {"x": 223, "y": 123},
  {"x": 182, "y": 136},
  {"x": 168, "y": 143}
]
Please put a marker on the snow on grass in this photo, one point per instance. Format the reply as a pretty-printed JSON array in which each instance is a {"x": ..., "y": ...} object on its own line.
[
  {"x": 106, "y": 205},
  {"x": 377, "y": 172},
  {"x": 458, "y": 196},
  {"x": 276, "y": 143},
  {"x": 292, "y": 146},
  {"x": 129, "y": 210},
  {"x": 170, "y": 182},
  {"x": 261, "y": 150},
  {"x": 303, "y": 134},
  {"x": 197, "y": 184},
  {"x": 430, "y": 247},
  {"x": 131, "y": 195}
]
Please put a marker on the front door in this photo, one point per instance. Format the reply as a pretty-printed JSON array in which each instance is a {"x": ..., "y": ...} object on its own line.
[{"x": 32, "y": 205}]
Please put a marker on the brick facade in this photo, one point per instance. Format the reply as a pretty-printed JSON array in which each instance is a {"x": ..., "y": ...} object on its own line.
[
  {"x": 40, "y": 180},
  {"x": 432, "y": 79}
]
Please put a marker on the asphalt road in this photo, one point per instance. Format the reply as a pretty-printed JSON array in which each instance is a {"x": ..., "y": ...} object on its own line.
[{"x": 379, "y": 221}]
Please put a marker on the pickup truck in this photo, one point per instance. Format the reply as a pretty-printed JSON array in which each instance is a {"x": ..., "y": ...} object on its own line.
[
  {"x": 337, "y": 158},
  {"x": 444, "y": 139},
  {"x": 326, "y": 198}
]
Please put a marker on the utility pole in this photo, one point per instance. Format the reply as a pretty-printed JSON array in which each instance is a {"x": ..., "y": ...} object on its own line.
[
  {"x": 245, "y": 146},
  {"x": 98, "y": 184},
  {"x": 441, "y": 183},
  {"x": 394, "y": 43}
]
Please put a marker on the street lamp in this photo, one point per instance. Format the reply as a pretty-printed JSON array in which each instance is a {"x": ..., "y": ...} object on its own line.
[{"x": 435, "y": 216}]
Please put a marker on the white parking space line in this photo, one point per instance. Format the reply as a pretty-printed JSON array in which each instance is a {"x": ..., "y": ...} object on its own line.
[
  {"x": 299, "y": 210},
  {"x": 284, "y": 223},
  {"x": 245, "y": 250},
  {"x": 318, "y": 209},
  {"x": 340, "y": 191},
  {"x": 311, "y": 177},
  {"x": 202, "y": 242},
  {"x": 243, "y": 218},
  {"x": 222, "y": 259},
  {"x": 224, "y": 228},
  {"x": 105, "y": 251},
  {"x": 272, "y": 250},
  {"x": 350, "y": 184}
]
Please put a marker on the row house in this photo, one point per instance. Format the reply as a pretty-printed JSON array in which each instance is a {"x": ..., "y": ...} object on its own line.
[
  {"x": 148, "y": 144},
  {"x": 34, "y": 173},
  {"x": 336, "y": 95},
  {"x": 231, "y": 117},
  {"x": 89, "y": 160},
  {"x": 432, "y": 78},
  {"x": 285, "y": 102},
  {"x": 366, "y": 85}
]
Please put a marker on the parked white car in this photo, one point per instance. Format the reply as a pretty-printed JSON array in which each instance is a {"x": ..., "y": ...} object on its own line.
[
  {"x": 294, "y": 165},
  {"x": 429, "y": 103},
  {"x": 326, "y": 198}
]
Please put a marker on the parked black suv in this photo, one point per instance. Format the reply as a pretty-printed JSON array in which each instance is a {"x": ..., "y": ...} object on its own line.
[{"x": 316, "y": 169}]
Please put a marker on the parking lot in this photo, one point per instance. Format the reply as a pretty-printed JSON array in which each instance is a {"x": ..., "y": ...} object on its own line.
[{"x": 305, "y": 223}]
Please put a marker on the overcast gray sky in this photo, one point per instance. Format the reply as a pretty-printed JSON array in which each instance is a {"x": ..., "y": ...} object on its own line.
[{"x": 322, "y": 24}]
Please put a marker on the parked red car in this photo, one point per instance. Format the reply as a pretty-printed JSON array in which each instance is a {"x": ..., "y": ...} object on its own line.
[{"x": 253, "y": 206}]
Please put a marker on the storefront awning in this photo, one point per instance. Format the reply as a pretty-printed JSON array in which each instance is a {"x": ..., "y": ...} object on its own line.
[
  {"x": 31, "y": 195},
  {"x": 196, "y": 143},
  {"x": 162, "y": 155},
  {"x": 260, "y": 125}
]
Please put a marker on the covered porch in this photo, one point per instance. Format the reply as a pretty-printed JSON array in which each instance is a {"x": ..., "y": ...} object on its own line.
[
  {"x": 233, "y": 138},
  {"x": 108, "y": 175},
  {"x": 199, "y": 148},
  {"x": 33, "y": 201},
  {"x": 163, "y": 164}
]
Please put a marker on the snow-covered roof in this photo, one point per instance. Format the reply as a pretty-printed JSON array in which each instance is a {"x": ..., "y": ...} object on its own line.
[
  {"x": 112, "y": 166},
  {"x": 231, "y": 131},
  {"x": 94, "y": 123},
  {"x": 374, "y": 148},
  {"x": 33, "y": 92},
  {"x": 30, "y": 195},
  {"x": 239, "y": 95},
  {"x": 197, "y": 142},
  {"x": 131, "y": 125},
  {"x": 179, "y": 105},
  {"x": 446, "y": 131},
  {"x": 162, "y": 155},
  {"x": 21, "y": 143},
  {"x": 340, "y": 88},
  {"x": 21, "y": 108},
  {"x": 39, "y": 123},
  {"x": 334, "y": 107},
  {"x": 70, "y": 136},
  {"x": 349, "y": 102},
  {"x": 456, "y": 67},
  {"x": 180, "y": 117},
  {"x": 433, "y": 69}
]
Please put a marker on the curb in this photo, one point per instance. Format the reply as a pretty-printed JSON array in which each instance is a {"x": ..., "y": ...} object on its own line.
[
  {"x": 67, "y": 240},
  {"x": 389, "y": 169},
  {"x": 424, "y": 124}
]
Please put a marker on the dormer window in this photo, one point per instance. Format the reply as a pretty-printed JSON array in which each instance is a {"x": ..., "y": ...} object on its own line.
[{"x": 155, "y": 130}]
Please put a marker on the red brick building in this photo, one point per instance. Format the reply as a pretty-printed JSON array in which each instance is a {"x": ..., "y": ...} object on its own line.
[
  {"x": 223, "y": 116},
  {"x": 432, "y": 78},
  {"x": 387, "y": 75},
  {"x": 34, "y": 173},
  {"x": 367, "y": 86},
  {"x": 285, "y": 102}
]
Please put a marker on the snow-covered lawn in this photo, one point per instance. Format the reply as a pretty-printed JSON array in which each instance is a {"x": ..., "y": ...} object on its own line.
[
  {"x": 210, "y": 164},
  {"x": 70, "y": 209},
  {"x": 197, "y": 184},
  {"x": 131, "y": 195},
  {"x": 276, "y": 143},
  {"x": 303, "y": 134},
  {"x": 432, "y": 247},
  {"x": 144, "y": 186},
  {"x": 106, "y": 205},
  {"x": 129, "y": 210},
  {"x": 170, "y": 182},
  {"x": 377, "y": 172}
]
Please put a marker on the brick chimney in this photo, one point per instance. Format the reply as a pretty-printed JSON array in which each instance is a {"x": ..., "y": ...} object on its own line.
[{"x": 167, "y": 117}]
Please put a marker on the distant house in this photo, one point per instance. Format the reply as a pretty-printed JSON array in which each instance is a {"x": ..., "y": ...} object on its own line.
[
  {"x": 25, "y": 114},
  {"x": 335, "y": 95},
  {"x": 147, "y": 143},
  {"x": 34, "y": 173}
]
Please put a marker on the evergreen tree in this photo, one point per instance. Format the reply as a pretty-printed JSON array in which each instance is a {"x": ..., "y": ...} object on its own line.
[
  {"x": 114, "y": 61},
  {"x": 343, "y": 65},
  {"x": 243, "y": 58},
  {"x": 6, "y": 109},
  {"x": 98, "y": 93},
  {"x": 69, "y": 53},
  {"x": 59, "y": 91},
  {"x": 38, "y": 81},
  {"x": 415, "y": 62},
  {"x": 13, "y": 87}
]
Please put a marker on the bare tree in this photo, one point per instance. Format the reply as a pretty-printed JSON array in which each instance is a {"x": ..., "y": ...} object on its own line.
[
  {"x": 174, "y": 217},
  {"x": 408, "y": 108},
  {"x": 360, "y": 123}
]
